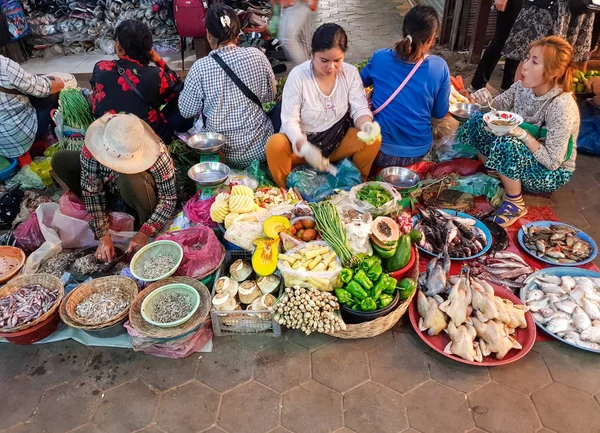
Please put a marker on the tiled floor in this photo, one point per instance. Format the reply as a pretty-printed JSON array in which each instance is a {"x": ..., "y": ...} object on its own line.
[{"x": 316, "y": 384}]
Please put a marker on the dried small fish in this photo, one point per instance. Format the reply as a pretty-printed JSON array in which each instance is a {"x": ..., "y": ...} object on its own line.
[
  {"x": 87, "y": 264},
  {"x": 58, "y": 264},
  {"x": 26, "y": 305},
  {"x": 170, "y": 307},
  {"x": 102, "y": 306},
  {"x": 157, "y": 266}
]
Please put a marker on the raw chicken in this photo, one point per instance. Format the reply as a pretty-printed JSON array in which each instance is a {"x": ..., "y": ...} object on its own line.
[
  {"x": 494, "y": 338},
  {"x": 432, "y": 318},
  {"x": 463, "y": 342},
  {"x": 459, "y": 300}
]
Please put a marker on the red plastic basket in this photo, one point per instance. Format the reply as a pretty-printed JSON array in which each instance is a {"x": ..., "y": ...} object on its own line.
[
  {"x": 35, "y": 333},
  {"x": 399, "y": 274}
]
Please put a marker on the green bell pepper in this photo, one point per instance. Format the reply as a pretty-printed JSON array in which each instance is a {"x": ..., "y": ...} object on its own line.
[
  {"x": 343, "y": 296},
  {"x": 361, "y": 278},
  {"x": 356, "y": 290},
  {"x": 375, "y": 272},
  {"x": 368, "y": 304},
  {"x": 369, "y": 262},
  {"x": 346, "y": 275},
  {"x": 384, "y": 300},
  {"x": 390, "y": 284},
  {"x": 380, "y": 285}
]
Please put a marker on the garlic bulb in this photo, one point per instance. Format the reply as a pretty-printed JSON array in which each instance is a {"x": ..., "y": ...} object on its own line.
[
  {"x": 223, "y": 302},
  {"x": 248, "y": 292},
  {"x": 268, "y": 284},
  {"x": 226, "y": 284},
  {"x": 240, "y": 270}
]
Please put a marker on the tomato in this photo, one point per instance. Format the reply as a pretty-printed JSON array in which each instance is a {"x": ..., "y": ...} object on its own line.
[
  {"x": 298, "y": 225},
  {"x": 292, "y": 230},
  {"x": 308, "y": 224},
  {"x": 309, "y": 235}
]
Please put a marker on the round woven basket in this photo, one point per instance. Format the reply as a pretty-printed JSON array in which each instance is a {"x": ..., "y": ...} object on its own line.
[
  {"x": 139, "y": 324},
  {"x": 44, "y": 280},
  {"x": 69, "y": 313},
  {"x": 12, "y": 260},
  {"x": 151, "y": 251},
  {"x": 382, "y": 324}
]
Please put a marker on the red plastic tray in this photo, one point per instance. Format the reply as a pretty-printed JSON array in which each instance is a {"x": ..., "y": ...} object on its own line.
[{"x": 438, "y": 342}]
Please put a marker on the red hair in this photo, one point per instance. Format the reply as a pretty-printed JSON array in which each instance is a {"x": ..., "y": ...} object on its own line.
[{"x": 558, "y": 61}]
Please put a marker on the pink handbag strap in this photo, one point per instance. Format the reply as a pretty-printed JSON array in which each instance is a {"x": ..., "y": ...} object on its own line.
[{"x": 401, "y": 86}]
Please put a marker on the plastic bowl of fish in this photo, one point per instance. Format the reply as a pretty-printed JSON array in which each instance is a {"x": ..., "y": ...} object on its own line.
[
  {"x": 170, "y": 305},
  {"x": 464, "y": 236},
  {"x": 558, "y": 244},
  {"x": 470, "y": 321},
  {"x": 156, "y": 261},
  {"x": 565, "y": 303}
]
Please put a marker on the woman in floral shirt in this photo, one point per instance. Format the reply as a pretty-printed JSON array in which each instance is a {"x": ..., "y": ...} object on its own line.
[{"x": 112, "y": 83}]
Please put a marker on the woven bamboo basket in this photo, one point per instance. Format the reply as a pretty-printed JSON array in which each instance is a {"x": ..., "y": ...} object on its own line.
[
  {"x": 69, "y": 313},
  {"x": 45, "y": 280},
  {"x": 382, "y": 324},
  {"x": 139, "y": 324}
]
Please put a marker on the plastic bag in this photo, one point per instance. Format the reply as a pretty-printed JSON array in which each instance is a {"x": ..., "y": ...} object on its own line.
[
  {"x": 323, "y": 280},
  {"x": 199, "y": 341},
  {"x": 202, "y": 251},
  {"x": 72, "y": 206},
  {"x": 181, "y": 222},
  {"x": 589, "y": 136},
  {"x": 42, "y": 168},
  {"x": 198, "y": 211},
  {"x": 461, "y": 166},
  {"x": 385, "y": 209},
  {"x": 246, "y": 229},
  {"x": 239, "y": 177},
  {"x": 477, "y": 184},
  {"x": 358, "y": 232},
  {"x": 28, "y": 235},
  {"x": 257, "y": 172},
  {"x": 316, "y": 185},
  {"x": 26, "y": 179}
]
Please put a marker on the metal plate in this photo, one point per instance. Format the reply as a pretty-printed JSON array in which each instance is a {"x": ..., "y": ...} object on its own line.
[
  {"x": 207, "y": 142},
  {"x": 463, "y": 111},
  {"x": 400, "y": 178},
  {"x": 559, "y": 272},
  {"x": 209, "y": 173}
]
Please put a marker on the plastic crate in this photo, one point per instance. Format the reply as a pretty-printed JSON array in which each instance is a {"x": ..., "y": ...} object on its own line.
[{"x": 240, "y": 321}]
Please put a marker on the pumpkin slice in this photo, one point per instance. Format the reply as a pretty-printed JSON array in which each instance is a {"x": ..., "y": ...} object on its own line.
[
  {"x": 274, "y": 225},
  {"x": 264, "y": 259}
]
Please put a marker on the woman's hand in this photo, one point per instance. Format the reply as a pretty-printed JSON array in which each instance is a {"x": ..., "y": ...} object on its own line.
[
  {"x": 106, "y": 249},
  {"x": 500, "y": 5},
  {"x": 313, "y": 156},
  {"x": 138, "y": 241},
  {"x": 481, "y": 97},
  {"x": 527, "y": 139}
]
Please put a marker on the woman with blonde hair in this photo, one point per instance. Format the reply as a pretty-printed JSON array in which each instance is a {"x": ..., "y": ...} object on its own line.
[{"x": 538, "y": 156}]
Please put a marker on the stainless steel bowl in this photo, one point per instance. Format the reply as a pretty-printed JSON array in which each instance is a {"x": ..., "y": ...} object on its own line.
[
  {"x": 209, "y": 173},
  {"x": 463, "y": 112},
  {"x": 207, "y": 142},
  {"x": 400, "y": 178}
]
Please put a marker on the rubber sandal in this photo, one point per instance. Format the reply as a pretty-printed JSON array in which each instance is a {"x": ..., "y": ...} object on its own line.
[{"x": 507, "y": 214}]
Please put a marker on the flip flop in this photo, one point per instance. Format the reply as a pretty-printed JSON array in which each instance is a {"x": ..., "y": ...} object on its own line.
[{"x": 507, "y": 214}]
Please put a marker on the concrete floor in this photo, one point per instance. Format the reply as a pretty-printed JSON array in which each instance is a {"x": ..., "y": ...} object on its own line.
[{"x": 316, "y": 384}]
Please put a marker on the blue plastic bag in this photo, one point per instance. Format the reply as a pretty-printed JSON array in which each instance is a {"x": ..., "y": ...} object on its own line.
[
  {"x": 589, "y": 135},
  {"x": 316, "y": 185}
]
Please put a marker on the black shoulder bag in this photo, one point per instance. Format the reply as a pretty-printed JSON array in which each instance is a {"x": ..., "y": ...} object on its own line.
[
  {"x": 274, "y": 114},
  {"x": 122, "y": 73}
]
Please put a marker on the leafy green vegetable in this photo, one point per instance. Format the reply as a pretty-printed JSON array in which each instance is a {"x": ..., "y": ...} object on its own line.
[{"x": 374, "y": 194}]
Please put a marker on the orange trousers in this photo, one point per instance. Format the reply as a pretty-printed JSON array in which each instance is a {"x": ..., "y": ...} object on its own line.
[{"x": 281, "y": 158}]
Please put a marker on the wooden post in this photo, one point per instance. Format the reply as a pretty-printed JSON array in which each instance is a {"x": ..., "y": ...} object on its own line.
[
  {"x": 445, "y": 34},
  {"x": 456, "y": 24},
  {"x": 482, "y": 17}
]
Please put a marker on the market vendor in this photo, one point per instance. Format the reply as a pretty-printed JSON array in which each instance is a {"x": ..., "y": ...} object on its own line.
[
  {"x": 324, "y": 107},
  {"x": 26, "y": 101},
  {"x": 538, "y": 156},
  {"x": 223, "y": 107},
  {"x": 405, "y": 116},
  {"x": 132, "y": 85},
  {"x": 123, "y": 166}
]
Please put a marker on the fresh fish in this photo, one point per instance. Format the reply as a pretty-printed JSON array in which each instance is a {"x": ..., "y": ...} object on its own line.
[
  {"x": 568, "y": 282},
  {"x": 596, "y": 322},
  {"x": 591, "y": 334},
  {"x": 577, "y": 295},
  {"x": 552, "y": 279},
  {"x": 591, "y": 308},
  {"x": 510, "y": 256},
  {"x": 515, "y": 273},
  {"x": 580, "y": 319},
  {"x": 552, "y": 288},
  {"x": 538, "y": 305},
  {"x": 557, "y": 325},
  {"x": 505, "y": 263},
  {"x": 566, "y": 306},
  {"x": 554, "y": 298},
  {"x": 534, "y": 295},
  {"x": 587, "y": 286}
]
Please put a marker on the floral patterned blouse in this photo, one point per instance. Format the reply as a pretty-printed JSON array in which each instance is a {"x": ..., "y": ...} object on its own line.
[{"x": 112, "y": 94}]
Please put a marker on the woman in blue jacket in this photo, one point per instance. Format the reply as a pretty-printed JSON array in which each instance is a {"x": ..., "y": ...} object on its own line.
[{"x": 410, "y": 88}]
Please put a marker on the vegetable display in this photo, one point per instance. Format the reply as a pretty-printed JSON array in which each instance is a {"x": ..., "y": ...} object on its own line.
[
  {"x": 75, "y": 109},
  {"x": 579, "y": 79},
  {"x": 384, "y": 237},
  {"x": 330, "y": 227},
  {"x": 310, "y": 265},
  {"x": 374, "y": 194}
]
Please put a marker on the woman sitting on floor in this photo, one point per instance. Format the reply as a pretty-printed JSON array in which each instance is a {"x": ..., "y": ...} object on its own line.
[
  {"x": 405, "y": 115},
  {"x": 221, "y": 104},
  {"x": 131, "y": 85},
  {"x": 538, "y": 156},
  {"x": 322, "y": 99}
]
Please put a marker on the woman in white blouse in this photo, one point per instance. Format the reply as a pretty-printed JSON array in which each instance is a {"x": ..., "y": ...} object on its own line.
[{"x": 324, "y": 107}]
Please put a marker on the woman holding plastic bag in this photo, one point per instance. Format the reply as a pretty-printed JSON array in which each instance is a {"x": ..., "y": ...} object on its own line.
[
  {"x": 324, "y": 108},
  {"x": 538, "y": 156},
  {"x": 123, "y": 161}
]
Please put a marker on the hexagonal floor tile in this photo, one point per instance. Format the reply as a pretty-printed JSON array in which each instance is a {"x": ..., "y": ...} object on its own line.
[
  {"x": 151, "y": 429},
  {"x": 373, "y": 408},
  {"x": 20, "y": 397},
  {"x": 401, "y": 366},
  {"x": 461, "y": 377},
  {"x": 571, "y": 366},
  {"x": 282, "y": 366},
  {"x": 571, "y": 216},
  {"x": 311, "y": 342},
  {"x": 65, "y": 407},
  {"x": 227, "y": 366},
  {"x": 370, "y": 344},
  {"x": 567, "y": 410},
  {"x": 249, "y": 408},
  {"x": 214, "y": 429},
  {"x": 23, "y": 428},
  {"x": 313, "y": 408},
  {"x": 126, "y": 408},
  {"x": 59, "y": 362},
  {"x": 500, "y": 409},
  {"x": 281, "y": 430},
  {"x": 188, "y": 408},
  {"x": 88, "y": 428},
  {"x": 15, "y": 360},
  {"x": 528, "y": 375},
  {"x": 256, "y": 342},
  {"x": 109, "y": 367},
  {"x": 164, "y": 373},
  {"x": 340, "y": 366},
  {"x": 433, "y": 408},
  {"x": 588, "y": 163}
]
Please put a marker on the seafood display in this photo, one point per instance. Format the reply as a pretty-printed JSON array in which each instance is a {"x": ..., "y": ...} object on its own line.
[
  {"x": 459, "y": 234},
  {"x": 157, "y": 266},
  {"x": 87, "y": 264},
  {"x": 171, "y": 306},
  {"x": 478, "y": 322},
  {"x": 58, "y": 264},
  {"x": 100, "y": 307},
  {"x": 503, "y": 268},
  {"x": 557, "y": 243},
  {"x": 26, "y": 305},
  {"x": 568, "y": 306}
]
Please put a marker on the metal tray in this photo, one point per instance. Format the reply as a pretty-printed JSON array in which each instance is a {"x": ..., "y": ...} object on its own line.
[
  {"x": 209, "y": 173},
  {"x": 207, "y": 142}
]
